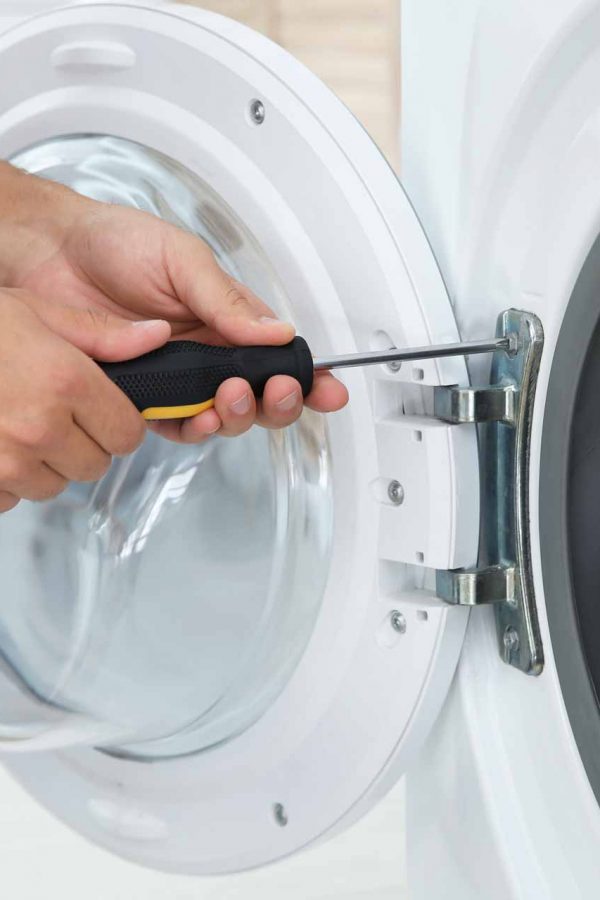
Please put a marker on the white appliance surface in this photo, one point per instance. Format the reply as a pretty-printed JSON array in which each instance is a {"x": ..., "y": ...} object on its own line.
[
  {"x": 504, "y": 173},
  {"x": 42, "y": 857}
]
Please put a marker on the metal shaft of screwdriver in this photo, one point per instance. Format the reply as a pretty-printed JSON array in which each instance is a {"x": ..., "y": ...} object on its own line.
[{"x": 412, "y": 354}]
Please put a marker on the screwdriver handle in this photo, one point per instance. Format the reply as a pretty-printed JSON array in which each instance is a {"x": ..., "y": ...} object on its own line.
[{"x": 181, "y": 378}]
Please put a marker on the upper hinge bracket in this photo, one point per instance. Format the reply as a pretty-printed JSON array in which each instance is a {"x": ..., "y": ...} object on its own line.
[{"x": 468, "y": 405}]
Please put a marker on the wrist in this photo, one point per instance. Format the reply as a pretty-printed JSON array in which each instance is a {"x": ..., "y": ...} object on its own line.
[{"x": 36, "y": 216}]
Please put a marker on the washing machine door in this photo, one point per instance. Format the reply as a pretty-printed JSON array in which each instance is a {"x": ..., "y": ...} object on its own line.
[{"x": 236, "y": 647}]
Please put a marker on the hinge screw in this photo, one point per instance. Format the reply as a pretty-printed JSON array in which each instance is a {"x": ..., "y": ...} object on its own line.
[
  {"x": 257, "y": 112},
  {"x": 394, "y": 365},
  {"x": 396, "y": 492},
  {"x": 397, "y": 621},
  {"x": 510, "y": 640}
]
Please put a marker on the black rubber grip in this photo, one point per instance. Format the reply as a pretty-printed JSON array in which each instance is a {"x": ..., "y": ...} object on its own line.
[{"x": 185, "y": 373}]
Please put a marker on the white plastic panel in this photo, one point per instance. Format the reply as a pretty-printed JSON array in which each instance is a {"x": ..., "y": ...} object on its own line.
[{"x": 422, "y": 529}]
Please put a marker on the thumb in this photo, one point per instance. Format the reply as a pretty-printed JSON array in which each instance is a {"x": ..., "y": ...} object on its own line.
[
  {"x": 227, "y": 306},
  {"x": 101, "y": 335}
]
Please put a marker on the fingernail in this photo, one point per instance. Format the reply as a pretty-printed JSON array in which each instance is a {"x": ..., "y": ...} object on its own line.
[
  {"x": 288, "y": 402},
  {"x": 269, "y": 320},
  {"x": 241, "y": 406},
  {"x": 147, "y": 324},
  {"x": 212, "y": 430}
]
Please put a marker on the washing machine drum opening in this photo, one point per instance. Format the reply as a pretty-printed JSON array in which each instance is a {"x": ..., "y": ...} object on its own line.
[
  {"x": 570, "y": 512},
  {"x": 584, "y": 507},
  {"x": 170, "y": 602}
]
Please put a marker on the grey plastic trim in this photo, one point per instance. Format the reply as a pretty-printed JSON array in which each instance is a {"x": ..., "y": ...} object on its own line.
[{"x": 580, "y": 322}]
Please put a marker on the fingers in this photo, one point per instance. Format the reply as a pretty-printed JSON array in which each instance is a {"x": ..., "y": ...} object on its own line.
[
  {"x": 76, "y": 457},
  {"x": 7, "y": 501},
  {"x": 39, "y": 483},
  {"x": 61, "y": 418},
  {"x": 328, "y": 394},
  {"x": 104, "y": 413},
  {"x": 41, "y": 453},
  {"x": 98, "y": 333},
  {"x": 185, "y": 431},
  {"x": 281, "y": 402},
  {"x": 244, "y": 319},
  {"x": 236, "y": 409},
  {"x": 26, "y": 478},
  {"x": 234, "y": 413},
  {"x": 228, "y": 307},
  {"x": 188, "y": 431}
]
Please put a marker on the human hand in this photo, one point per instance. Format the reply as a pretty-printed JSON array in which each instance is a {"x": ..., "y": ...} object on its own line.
[
  {"x": 61, "y": 419},
  {"x": 89, "y": 255}
]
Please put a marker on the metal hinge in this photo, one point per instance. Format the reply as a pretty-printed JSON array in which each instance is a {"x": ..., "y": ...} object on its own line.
[{"x": 503, "y": 410}]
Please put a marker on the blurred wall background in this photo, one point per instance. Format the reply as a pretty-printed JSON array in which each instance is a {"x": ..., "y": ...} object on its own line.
[{"x": 353, "y": 45}]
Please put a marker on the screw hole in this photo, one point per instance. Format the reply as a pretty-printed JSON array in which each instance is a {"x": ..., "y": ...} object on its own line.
[
  {"x": 418, "y": 374},
  {"x": 422, "y": 615},
  {"x": 420, "y": 557},
  {"x": 257, "y": 112},
  {"x": 280, "y": 814},
  {"x": 418, "y": 436}
]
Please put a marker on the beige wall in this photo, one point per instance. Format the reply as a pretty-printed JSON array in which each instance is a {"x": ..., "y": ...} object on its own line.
[{"x": 351, "y": 44}]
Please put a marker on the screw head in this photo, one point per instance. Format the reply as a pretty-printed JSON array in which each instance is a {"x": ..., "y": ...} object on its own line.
[
  {"x": 510, "y": 639},
  {"x": 397, "y": 621},
  {"x": 257, "y": 112},
  {"x": 280, "y": 814},
  {"x": 394, "y": 365},
  {"x": 395, "y": 492}
]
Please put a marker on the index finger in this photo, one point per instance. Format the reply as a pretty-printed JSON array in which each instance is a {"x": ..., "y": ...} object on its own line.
[
  {"x": 105, "y": 413},
  {"x": 226, "y": 305}
]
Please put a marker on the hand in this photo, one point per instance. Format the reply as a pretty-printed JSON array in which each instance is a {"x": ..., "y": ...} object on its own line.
[
  {"x": 75, "y": 251},
  {"x": 61, "y": 419}
]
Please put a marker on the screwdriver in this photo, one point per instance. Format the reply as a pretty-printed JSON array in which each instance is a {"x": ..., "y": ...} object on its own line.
[{"x": 181, "y": 378}]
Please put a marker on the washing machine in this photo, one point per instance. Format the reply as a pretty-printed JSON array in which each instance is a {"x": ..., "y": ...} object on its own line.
[{"x": 221, "y": 655}]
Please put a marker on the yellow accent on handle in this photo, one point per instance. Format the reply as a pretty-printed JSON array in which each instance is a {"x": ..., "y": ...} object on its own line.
[{"x": 177, "y": 412}]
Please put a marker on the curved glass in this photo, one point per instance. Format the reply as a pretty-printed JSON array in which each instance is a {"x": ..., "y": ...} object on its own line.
[{"x": 161, "y": 610}]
